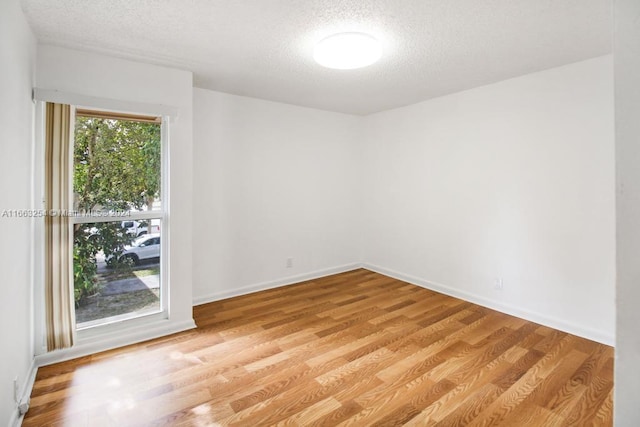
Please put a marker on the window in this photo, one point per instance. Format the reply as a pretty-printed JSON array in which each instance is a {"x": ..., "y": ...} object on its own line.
[
  {"x": 96, "y": 196},
  {"x": 118, "y": 213}
]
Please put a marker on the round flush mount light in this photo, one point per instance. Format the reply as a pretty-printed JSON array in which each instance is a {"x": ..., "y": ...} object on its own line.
[{"x": 346, "y": 51}]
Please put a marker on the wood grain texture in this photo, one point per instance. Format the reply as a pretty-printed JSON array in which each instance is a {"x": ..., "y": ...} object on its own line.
[{"x": 353, "y": 349}]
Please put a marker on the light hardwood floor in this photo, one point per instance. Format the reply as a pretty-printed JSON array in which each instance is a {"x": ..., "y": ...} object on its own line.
[{"x": 356, "y": 348}]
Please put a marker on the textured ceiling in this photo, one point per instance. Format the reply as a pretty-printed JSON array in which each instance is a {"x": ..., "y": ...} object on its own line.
[{"x": 264, "y": 48}]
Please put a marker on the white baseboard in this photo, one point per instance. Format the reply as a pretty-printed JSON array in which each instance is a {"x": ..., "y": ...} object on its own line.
[
  {"x": 26, "y": 388},
  {"x": 289, "y": 280},
  {"x": 543, "y": 319},
  {"x": 112, "y": 341}
]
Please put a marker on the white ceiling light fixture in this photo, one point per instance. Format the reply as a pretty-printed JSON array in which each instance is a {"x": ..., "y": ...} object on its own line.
[{"x": 347, "y": 51}]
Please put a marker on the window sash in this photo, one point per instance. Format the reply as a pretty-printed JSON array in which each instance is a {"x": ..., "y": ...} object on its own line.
[{"x": 85, "y": 329}]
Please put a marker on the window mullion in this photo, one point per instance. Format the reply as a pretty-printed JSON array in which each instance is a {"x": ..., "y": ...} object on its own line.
[{"x": 128, "y": 216}]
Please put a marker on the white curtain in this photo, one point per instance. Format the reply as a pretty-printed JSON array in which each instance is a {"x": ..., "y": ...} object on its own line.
[{"x": 58, "y": 237}]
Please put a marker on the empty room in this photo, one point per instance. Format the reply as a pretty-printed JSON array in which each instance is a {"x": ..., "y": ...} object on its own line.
[{"x": 261, "y": 212}]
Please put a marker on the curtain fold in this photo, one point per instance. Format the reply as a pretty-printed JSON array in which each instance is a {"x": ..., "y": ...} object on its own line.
[{"x": 60, "y": 324}]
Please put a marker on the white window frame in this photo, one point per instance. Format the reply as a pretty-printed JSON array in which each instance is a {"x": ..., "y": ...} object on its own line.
[
  {"x": 133, "y": 216},
  {"x": 113, "y": 328}
]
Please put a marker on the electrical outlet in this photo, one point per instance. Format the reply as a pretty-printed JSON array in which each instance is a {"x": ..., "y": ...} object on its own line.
[
  {"x": 498, "y": 284},
  {"x": 289, "y": 262},
  {"x": 16, "y": 390}
]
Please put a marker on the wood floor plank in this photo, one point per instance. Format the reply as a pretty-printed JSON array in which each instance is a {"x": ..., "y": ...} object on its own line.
[
  {"x": 335, "y": 417},
  {"x": 351, "y": 349}
]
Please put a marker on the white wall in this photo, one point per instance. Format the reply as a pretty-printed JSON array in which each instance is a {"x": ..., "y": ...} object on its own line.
[
  {"x": 627, "y": 82},
  {"x": 514, "y": 180},
  {"x": 17, "y": 59},
  {"x": 271, "y": 181},
  {"x": 88, "y": 74}
]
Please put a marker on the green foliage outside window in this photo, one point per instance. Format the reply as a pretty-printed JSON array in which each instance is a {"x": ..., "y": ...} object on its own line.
[{"x": 116, "y": 168}]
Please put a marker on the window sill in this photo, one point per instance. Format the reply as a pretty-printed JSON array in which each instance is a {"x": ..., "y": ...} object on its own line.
[{"x": 108, "y": 337}]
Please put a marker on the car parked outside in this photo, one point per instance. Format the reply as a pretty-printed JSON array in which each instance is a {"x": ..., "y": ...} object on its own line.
[{"x": 143, "y": 248}]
